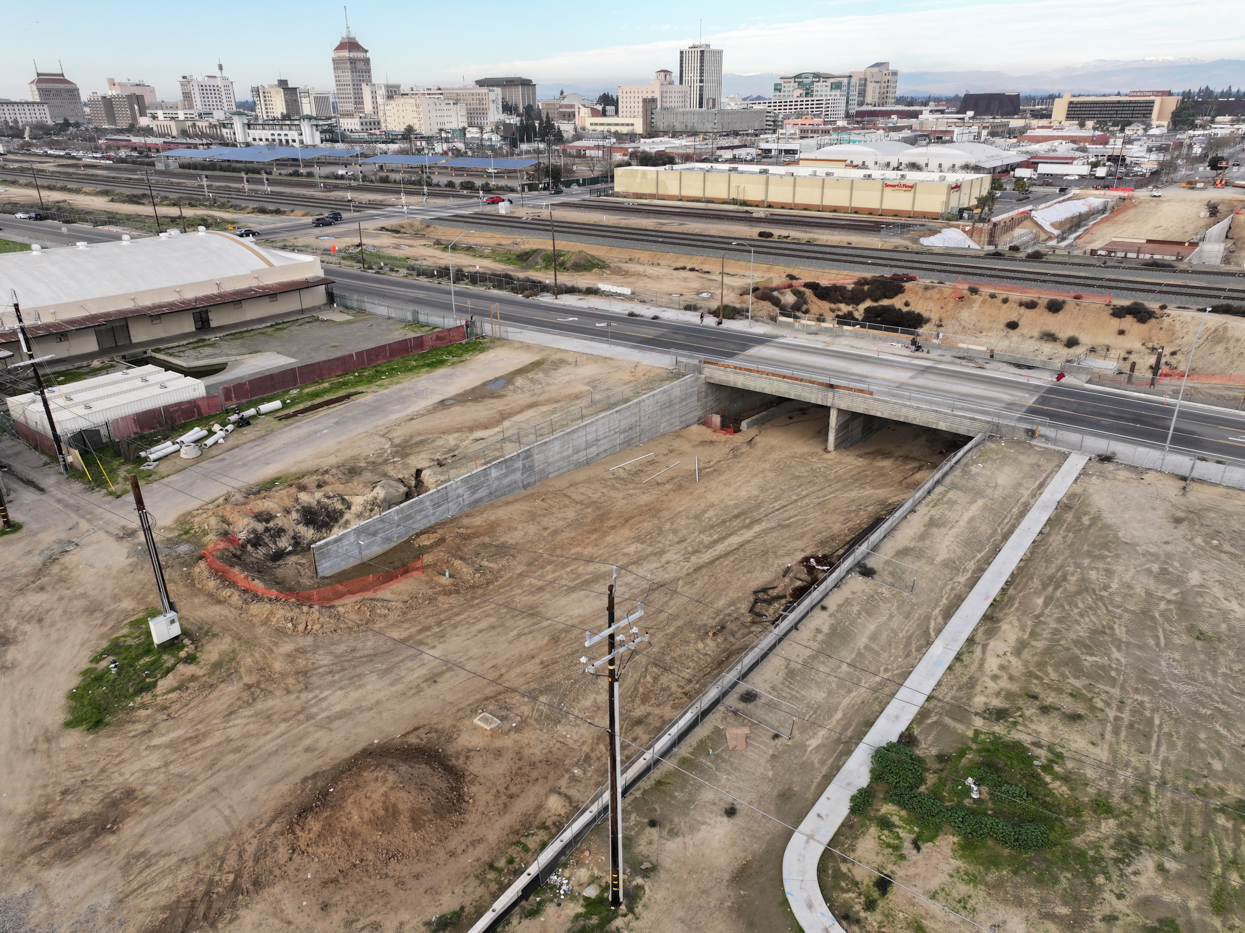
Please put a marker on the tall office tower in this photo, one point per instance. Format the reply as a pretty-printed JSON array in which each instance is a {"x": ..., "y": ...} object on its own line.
[
  {"x": 140, "y": 87},
  {"x": 700, "y": 68},
  {"x": 209, "y": 94},
  {"x": 62, "y": 96},
  {"x": 352, "y": 68},
  {"x": 874, "y": 87}
]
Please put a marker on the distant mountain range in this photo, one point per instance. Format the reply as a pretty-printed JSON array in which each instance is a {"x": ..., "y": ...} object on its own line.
[{"x": 1098, "y": 77}]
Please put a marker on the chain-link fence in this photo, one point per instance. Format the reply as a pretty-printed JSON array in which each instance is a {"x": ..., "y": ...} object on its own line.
[{"x": 406, "y": 314}]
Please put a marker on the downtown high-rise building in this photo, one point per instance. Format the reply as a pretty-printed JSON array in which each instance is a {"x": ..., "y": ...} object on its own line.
[
  {"x": 700, "y": 68},
  {"x": 62, "y": 96},
  {"x": 209, "y": 94},
  {"x": 352, "y": 69}
]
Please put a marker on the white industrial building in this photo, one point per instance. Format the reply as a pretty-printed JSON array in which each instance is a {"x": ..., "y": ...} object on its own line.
[
  {"x": 79, "y": 300},
  {"x": 887, "y": 155},
  {"x": 90, "y": 404}
]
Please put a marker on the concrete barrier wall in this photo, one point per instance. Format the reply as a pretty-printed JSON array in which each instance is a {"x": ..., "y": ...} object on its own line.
[{"x": 670, "y": 408}]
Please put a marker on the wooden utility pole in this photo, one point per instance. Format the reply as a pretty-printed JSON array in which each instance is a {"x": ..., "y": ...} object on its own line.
[
  {"x": 619, "y": 640},
  {"x": 151, "y": 193},
  {"x": 28, "y": 347},
  {"x": 722, "y": 288},
  {"x": 362, "y": 256}
]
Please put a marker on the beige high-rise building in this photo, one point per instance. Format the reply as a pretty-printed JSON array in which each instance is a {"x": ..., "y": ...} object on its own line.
[
  {"x": 209, "y": 94},
  {"x": 117, "y": 109},
  {"x": 662, "y": 90},
  {"x": 375, "y": 95},
  {"x": 140, "y": 87},
  {"x": 62, "y": 96},
  {"x": 426, "y": 112},
  {"x": 483, "y": 104},
  {"x": 277, "y": 101},
  {"x": 517, "y": 92},
  {"x": 876, "y": 86},
  {"x": 352, "y": 69},
  {"x": 318, "y": 104}
]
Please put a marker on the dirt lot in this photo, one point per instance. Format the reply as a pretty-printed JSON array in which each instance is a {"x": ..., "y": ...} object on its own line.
[
  {"x": 336, "y": 781},
  {"x": 1174, "y": 216},
  {"x": 703, "y": 868},
  {"x": 1114, "y": 656}
]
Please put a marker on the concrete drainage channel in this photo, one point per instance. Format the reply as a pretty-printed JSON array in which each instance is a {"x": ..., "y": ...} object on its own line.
[{"x": 686, "y": 722}]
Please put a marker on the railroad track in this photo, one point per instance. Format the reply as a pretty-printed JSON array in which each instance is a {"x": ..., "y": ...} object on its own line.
[
  {"x": 1230, "y": 285},
  {"x": 851, "y": 224}
]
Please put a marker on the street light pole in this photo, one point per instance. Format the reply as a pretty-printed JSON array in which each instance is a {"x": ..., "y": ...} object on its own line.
[
  {"x": 450, "y": 250},
  {"x": 1188, "y": 366},
  {"x": 752, "y": 257}
]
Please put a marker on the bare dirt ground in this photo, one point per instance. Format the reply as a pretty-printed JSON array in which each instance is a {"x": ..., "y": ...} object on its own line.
[
  {"x": 704, "y": 867},
  {"x": 217, "y": 801},
  {"x": 1114, "y": 655},
  {"x": 1174, "y": 216},
  {"x": 53, "y": 196}
]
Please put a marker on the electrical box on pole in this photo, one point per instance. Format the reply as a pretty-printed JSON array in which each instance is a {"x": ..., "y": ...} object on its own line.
[
  {"x": 620, "y": 640},
  {"x": 164, "y": 627}
]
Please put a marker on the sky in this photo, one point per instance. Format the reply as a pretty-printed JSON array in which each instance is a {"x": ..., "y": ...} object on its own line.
[{"x": 560, "y": 42}]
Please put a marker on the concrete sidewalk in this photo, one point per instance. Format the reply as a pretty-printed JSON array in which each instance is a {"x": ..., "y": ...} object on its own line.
[{"x": 799, "y": 864}]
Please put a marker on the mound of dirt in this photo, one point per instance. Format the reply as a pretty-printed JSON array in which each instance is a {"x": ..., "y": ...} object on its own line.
[{"x": 387, "y": 804}]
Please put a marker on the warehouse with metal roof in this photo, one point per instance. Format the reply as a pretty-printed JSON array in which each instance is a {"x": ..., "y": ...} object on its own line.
[{"x": 79, "y": 300}]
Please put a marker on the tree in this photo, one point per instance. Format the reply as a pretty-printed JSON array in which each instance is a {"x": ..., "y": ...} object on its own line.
[
  {"x": 996, "y": 183},
  {"x": 1183, "y": 117},
  {"x": 409, "y": 133},
  {"x": 605, "y": 99},
  {"x": 1020, "y": 186}
]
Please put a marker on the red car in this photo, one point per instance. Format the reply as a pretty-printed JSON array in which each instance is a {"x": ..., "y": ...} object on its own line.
[{"x": 494, "y": 200}]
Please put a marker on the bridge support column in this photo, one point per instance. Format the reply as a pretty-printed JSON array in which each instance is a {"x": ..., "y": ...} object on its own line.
[{"x": 848, "y": 428}]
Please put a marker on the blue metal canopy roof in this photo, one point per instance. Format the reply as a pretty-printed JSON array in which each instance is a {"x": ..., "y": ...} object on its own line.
[
  {"x": 405, "y": 160},
  {"x": 491, "y": 163}
]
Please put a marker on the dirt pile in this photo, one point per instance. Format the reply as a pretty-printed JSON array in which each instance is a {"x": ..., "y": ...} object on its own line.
[
  {"x": 279, "y": 524},
  {"x": 387, "y": 804}
]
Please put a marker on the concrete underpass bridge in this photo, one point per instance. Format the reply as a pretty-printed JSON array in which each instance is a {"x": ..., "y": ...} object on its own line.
[{"x": 857, "y": 412}]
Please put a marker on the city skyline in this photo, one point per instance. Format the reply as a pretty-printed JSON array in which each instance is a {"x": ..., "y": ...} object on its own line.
[{"x": 924, "y": 36}]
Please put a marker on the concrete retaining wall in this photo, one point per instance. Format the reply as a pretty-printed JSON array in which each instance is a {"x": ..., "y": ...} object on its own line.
[{"x": 670, "y": 408}]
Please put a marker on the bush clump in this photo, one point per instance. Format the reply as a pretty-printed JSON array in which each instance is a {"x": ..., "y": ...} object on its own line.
[
  {"x": 1055, "y": 305},
  {"x": 1034, "y": 254},
  {"x": 1072, "y": 341},
  {"x": 887, "y": 315},
  {"x": 860, "y": 801},
  {"x": 1029, "y": 303},
  {"x": 1012, "y": 325},
  {"x": 1230, "y": 309},
  {"x": 877, "y": 288}
]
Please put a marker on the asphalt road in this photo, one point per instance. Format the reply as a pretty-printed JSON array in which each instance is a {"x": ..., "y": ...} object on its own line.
[
  {"x": 943, "y": 385},
  {"x": 51, "y": 233}
]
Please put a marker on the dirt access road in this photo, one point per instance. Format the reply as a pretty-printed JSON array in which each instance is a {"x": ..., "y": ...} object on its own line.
[
  {"x": 1114, "y": 656},
  {"x": 252, "y": 787}
]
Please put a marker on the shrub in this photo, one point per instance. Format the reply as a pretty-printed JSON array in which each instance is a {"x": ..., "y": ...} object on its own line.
[
  {"x": 1029, "y": 303},
  {"x": 1231, "y": 309},
  {"x": 1006, "y": 299},
  {"x": 792, "y": 278},
  {"x": 729, "y": 312},
  {"x": 996, "y": 252},
  {"x": 765, "y": 235},
  {"x": 993, "y": 295},
  {"x": 1055, "y": 305},
  {"x": 1013, "y": 249},
  {"x": 974, "y": 290},
  {"x": 900, "y": 767},
  {"x": 1121, "y": 332},
  {"x": 1034, "y": 254},
  {"x": 1049, "y": 336},
  {"x": 1072, "y": 341},
  {"x": 860, "y": 801},
  {"x": 1162, "y": 307},
  {"x": 1012, "y": 325}
]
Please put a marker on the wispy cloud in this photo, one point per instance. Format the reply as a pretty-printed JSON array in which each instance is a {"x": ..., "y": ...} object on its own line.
[{"x": 1029, "y": 37}]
